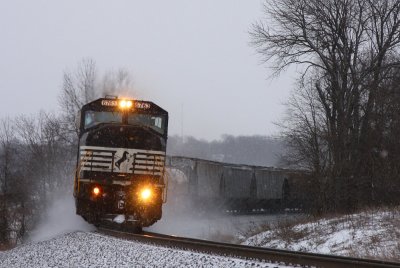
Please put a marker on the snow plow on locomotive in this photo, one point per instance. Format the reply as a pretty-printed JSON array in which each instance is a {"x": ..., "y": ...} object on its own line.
[{"x": 121, "y": 162}]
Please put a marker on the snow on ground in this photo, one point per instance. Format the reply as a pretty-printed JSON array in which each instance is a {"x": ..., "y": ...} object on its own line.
[
  {"x": 371, "y": 234},
  {"x": 86, "y": 249}
]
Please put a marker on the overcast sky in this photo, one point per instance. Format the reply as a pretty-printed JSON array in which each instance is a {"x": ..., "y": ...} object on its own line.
[{"x": 190, "y": 54}]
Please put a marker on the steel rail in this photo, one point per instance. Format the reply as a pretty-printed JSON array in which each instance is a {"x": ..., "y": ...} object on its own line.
[{"x": 249, "y": 252}]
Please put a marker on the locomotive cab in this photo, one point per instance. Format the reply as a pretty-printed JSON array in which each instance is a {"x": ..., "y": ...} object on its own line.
[{"x": 121, "y": 161}]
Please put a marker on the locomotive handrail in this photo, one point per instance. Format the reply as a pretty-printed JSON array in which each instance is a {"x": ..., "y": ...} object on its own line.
[
  {"x": 165, "y": 183},
  {"x": 78, "y": 170}
]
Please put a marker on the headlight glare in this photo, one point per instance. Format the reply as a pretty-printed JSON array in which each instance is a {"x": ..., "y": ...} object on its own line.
[
  {"x": 145, "y": 194},
  {"x": 123, "y": 104},
  {"x": 96, "y": 191}
]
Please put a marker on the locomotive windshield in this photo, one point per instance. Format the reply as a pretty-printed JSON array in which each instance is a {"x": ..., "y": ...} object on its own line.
[
  {"x": 157, "y": 123},
  {"x": 93, "y": 118}
]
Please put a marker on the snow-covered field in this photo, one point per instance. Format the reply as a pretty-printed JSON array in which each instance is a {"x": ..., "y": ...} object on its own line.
[
  {"x": 87, "y": 249},
  {"x": 371, "y": 234}
]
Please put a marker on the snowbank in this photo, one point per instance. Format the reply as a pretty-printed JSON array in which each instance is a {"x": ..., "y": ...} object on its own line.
[{"x": 372, "y": 234}]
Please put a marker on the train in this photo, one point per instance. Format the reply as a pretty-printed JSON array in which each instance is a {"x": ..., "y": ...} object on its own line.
[{"x": 120, "y": 162}]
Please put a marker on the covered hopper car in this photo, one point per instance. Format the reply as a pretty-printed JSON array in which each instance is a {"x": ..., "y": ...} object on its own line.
[{"x": 233, "y": 187}]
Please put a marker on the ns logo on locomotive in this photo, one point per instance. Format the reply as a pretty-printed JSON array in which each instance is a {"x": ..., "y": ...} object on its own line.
[{"x": 121, "y": 162}]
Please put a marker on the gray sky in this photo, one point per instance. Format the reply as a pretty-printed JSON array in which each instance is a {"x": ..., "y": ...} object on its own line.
[{"x": 194, "y": 54}]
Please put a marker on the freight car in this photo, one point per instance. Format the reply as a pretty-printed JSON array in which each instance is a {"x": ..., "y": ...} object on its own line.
[
  {"x": 222, "y": 186},
  {"x": 120, "y": 163}
]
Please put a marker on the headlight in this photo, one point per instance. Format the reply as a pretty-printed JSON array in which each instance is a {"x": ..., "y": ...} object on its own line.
[
  {"x": 125, "y": 104},
  {"x": 145, "y": 194},
  {"x": 96, "y": 191},
  {"x": 122, "y": 104}
]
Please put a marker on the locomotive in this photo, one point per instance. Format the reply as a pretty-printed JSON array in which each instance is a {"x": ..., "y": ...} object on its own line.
[{"x": 121, "y": 162}]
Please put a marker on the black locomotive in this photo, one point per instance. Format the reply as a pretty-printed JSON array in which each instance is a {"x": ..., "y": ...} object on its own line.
[{"x": 121, "y": 162}]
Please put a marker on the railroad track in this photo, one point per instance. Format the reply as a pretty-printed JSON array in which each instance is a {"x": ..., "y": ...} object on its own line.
[{"x": 248, "y": 252}]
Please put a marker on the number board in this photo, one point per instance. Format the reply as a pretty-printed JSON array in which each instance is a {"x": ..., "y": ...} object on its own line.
[
  {"x": 109, "y": 103},
  {"x": 142, "y": 105},
  {"x": 137, "y": 104}
]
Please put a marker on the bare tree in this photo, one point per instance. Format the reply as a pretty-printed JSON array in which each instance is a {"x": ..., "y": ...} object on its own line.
[
  {"x": 33, "y": 167},
  {"x": 48, "y": 153},
  {"x": 82, "y": 86},
  {"x": 347, "y": 49},
  {"x": 79, "y": 87}
]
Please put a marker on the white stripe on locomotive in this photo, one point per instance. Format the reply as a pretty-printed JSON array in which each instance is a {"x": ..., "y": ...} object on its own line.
[{"x": 94, "y": 158}]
